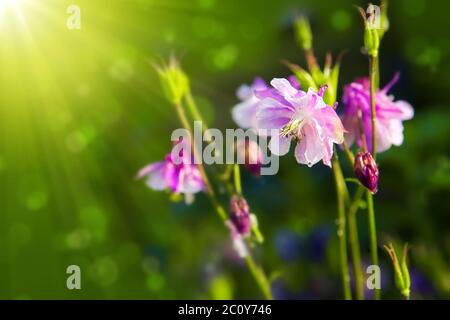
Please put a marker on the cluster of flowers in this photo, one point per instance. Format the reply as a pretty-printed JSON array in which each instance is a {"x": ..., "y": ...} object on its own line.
[
  {"x": 305, "y": 118},
  {"x": 302, "y": 117},
  {"x": 302, "y": 110}
]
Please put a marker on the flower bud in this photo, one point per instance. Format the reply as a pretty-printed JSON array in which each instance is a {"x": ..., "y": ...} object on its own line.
[
  {"x": 366, "y": 171},
  {"x": 304, "y": 78},
  {"x": 402, "y": 278},
  {"x": 303, "y": 33},
  {"x": 174, "y": 81},
  {"x": 371, "y": 41},
  {"x": 240, "y": 215},
  {"x": 384, "y": 20},
  {"x": 372, "y": 29}
]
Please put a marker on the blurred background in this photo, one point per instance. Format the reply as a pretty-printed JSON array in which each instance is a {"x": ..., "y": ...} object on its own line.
[{"x": 81, "y": 111}]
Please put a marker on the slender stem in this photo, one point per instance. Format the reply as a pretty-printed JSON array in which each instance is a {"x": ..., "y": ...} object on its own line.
[
  {"x": 237, "y": 179},
  {"x": 256, "y": 271},
  {"x": 373, "y": 74},
  {"x": 373, "y": 235},
  {"x": 341, "y": 232},
  {"x": 260, "y": 277},
  {"x": 361, "y": 130},
  {"x": 209, "y": 190},
  {"x": 373, "y": 64},
  {"x": 348, "y": 153},
  {"x": 195, "y": 113},
  {"x": 354, "y": 243},
  {"x": 353, "y": 208},
  {"x": 377, "y": 74},
  {"x": 311, "y": 60},
  {"x": 192, "y": 106}
]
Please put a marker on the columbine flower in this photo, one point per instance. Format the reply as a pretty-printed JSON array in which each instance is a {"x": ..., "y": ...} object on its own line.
[
  {"x": 176, "y": 173},
  {"x": 366, "y": 171},
  {"x": 302, "y": 116},
  {"x": 251, "y": 154},
  {"x": 389, "y": 115},
  {"x": 244, "y": 113}
]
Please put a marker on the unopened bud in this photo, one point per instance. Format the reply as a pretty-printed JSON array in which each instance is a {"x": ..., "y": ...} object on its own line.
[
  {"x": 174, "y": 81},
  {"x": 366, "y": 171},
  {"x": 240, "y": 215},
  {"x": 402, "y": 278},
  {"x": 371, "y": 41},
  {"x": 384, "y": 20},
  {"x": 303, "y": 33},
  {"x": 372, "y": 29}
]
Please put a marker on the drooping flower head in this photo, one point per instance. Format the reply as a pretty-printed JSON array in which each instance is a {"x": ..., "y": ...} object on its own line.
[
  {"x": 389, "y": 115},
  {"x": 176, "y": 173},
  {"x": 300, "y": 116},
  {"x": 366, "y": 170}
]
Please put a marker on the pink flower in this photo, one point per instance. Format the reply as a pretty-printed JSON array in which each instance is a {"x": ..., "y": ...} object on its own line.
[
  {"x": 302, "y": 116},
  {"x": 176, "y": 173},
  {"x": 389, "y": 115},
  {"x": 244, "y": 113}
]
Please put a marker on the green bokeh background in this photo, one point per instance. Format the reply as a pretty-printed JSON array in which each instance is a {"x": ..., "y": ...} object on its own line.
[{"x": 81, "y": 111}]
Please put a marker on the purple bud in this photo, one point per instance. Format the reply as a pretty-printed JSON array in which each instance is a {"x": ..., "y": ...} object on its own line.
[
  {"x": 240, "y": 214},
  {"x": 366, "y": 171}
]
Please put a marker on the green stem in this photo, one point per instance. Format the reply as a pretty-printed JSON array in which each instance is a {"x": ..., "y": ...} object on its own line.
[
  {"x": 373, "y": 64},
  {"x": 373, "y": 236},
  {"x": 237, "y": 179},
  {"x": 354, "y": 243},
  {"x": 349, "y": 154},
  {"x": 377, "y": 74},
  {"x": 195, "y": 113},
  {"x": 373, "y": 75},
  {"x": 209, "y": 190},
  {"x": 258, "y": 273},
  {"x": 340, "y": 193},
  {"x": 192, "y": 106},
  {"x": 260, "y": 277}
]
